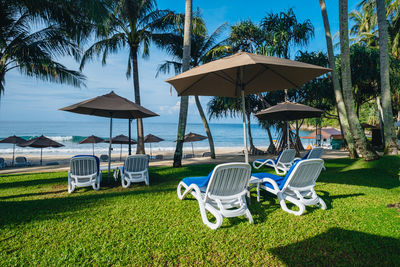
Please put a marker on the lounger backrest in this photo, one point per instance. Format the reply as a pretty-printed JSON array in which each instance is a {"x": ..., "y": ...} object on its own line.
[
  {"x": 287, "y": 156},
  {"x": 83, "y": 166},
  {"x": 228, "y": 180},
  {"x": 20, "y": 160},
  {"x": 136, "y": 163},
  {"x": 316, "y": 153},
  {"x": 304, "y": 174},
  {"x": 104, "y": 157}
]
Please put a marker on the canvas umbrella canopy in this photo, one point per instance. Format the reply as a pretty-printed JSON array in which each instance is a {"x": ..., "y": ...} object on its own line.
[
  {"x": 92, "y": 140},
  {"x": 13, "y": 140},
  {"x": 40, "y": 142},
  {"x": 111, "y": 106},
  {"x": 193, "y": 137},
  {"x": 122, "y": 140},
  {"x": 288, "y": 111},
  {"x": 152, "y": 139},
  {"x": 244, "y": 73}
]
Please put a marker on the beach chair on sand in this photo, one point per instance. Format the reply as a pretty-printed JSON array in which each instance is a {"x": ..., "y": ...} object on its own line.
[
  {"x": 135, "y": 170},
  {"x": 84, "y": 171},
  {"x": 315, "y": 153},
  {"x": 296, "y": 187},
  {"x": 3, "y": 163},
  {"x": 281, "y": 164},
  {"x": 21, "y": 162},
  {"x": 221, "y": 193},
  {"x": 103, "y": 158}
]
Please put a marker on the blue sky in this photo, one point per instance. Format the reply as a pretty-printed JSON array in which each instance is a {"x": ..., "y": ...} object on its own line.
[{"x": 34, "y": 100}]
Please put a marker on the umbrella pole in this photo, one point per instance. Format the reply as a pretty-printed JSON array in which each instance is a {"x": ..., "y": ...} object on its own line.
[
  {"x": 192, "y": 149},
  {"x": 129, "y": 145},
  {"x": 12, "y": 163},
  {"x": 151, "y": 153},
  {"x": 120, "y": 152},
  {"x": 41, "y": 151},
  {"x": 287, "y": 134},
  {"x": 246, "y": 152},
  {"x": 93, "y": 148},
  {"x": 109, "y": 148}
]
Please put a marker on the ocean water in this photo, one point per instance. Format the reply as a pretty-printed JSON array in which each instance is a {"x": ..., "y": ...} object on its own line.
[{"x": 70, "y": 133}]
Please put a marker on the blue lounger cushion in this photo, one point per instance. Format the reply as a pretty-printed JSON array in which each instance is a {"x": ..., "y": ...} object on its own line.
[
  {"x": 280, "y": 180},
  {"x": 201, "y": 181},
  {"x": 91, "y": 156}
]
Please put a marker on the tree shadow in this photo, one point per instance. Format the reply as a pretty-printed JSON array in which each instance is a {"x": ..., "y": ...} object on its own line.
[
  {"x": 33, "y": 182},
  {"x": 35, "y": 194},
  {"x": 341, "y": 247}
]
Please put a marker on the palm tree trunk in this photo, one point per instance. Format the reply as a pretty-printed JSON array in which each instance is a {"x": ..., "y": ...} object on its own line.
[
  {"x": 362, "y": 146},
  {"x": 271, "y": 148},
  {"x": 135, "y": 69},
  {"x": 184, "y": 99},
  {"x": 391, "y": 146},
  {"x": 336, "y": 85},
  {"x": 380, "y": 117},
  {"x": 206, "y": 126},
  {"x": 252, "y": 147}
]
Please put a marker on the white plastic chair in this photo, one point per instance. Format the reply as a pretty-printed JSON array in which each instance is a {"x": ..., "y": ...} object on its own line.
[
  {"x": 297, "y": 186},
  {"x": 84, "y": 171},
  {"x": 3, "y": 163},
  {"x": 315, "y": 153},
  {"x": 135, "y": 170},
  {"x": 224, "y": 195},
  {"x": 21, "y": 162},
  {"x": 281, "y": 164}
]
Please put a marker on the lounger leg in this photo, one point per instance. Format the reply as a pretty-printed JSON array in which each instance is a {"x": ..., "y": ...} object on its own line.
[
  {"x": 71, "y": 184},
  {"x": 96, "y": 185},
  {"x": 179, "y": 190},
  {"x": 248, "y": 215},
  {"x": 322, "y": 203},
  {"x": 282, "y": 202},
  {"x": 214, "y": 212},
  {"x": 123, "y": 180},
  {"x": 146, "y": 178}
]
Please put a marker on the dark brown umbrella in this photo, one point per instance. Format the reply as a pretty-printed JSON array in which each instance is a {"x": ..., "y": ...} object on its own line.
[
  {"x": 193, "y": 137},
  {"x": 92, "y": 140},
  {"x": 122, "y": 140},
  {"x": 244, "y": 73},
  {"x": 111, "y": 106},
  {"x": 13, "y": 140},
  {"x": 288, "y": 111},
  {"x": 152, "y": 139},
  {"x": 40, "y": 142}
]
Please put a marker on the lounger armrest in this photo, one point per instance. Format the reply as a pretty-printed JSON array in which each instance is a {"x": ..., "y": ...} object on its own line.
[
  {"x": 272, "y": 182},
  {"x": 297, "y": 159}
]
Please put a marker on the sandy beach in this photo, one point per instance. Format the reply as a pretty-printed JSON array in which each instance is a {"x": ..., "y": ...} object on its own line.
[{"x": 223, "y": 155}]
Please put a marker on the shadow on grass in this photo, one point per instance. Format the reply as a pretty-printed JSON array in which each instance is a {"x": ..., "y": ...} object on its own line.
[
  {"x": 33, "y": 182},
  {"x": 382, "y": 173},
  {"x": 341, "y": 247},
  {"x": 16, "y": 212},
  {"x": 35, "y": 194}
]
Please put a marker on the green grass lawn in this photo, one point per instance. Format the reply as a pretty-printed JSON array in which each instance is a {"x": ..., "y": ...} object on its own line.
[{"x": 41, "y": 224}]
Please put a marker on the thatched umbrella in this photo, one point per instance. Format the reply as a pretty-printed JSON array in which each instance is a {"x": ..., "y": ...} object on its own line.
[
  {"x": 152, "y": 139},
  {"x": 242, "y": 74},
  {"x": 92, "y": 140},
  {"x": 193, "y": 137},
  {"x": 111, "y": 106},
  {"x": 122, "y": 140},
  {"x": 40, "y": 142},
  {"x": 13, "y": 140},
  {"x": 288, "y": 111}
]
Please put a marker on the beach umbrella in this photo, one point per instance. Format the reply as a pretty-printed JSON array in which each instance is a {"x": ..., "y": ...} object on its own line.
[
  {"x": 111, "y": 106},
  {"x": 92, "y": 140},
  {"x": 122, "y": 140},
  {"x": 288, "y": 111},
  {"x": 193, "y": 137},
  {"x": 244, "y": 73},
  {"x": 152, "y": 139},
  {"x": 13, "y": 140},
  {"x": 40, "y": 142}
]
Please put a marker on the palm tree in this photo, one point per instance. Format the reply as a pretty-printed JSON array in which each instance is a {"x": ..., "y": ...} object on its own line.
[
  {"x": 363, "y": 147},
  {"x": 364, "y": 25},
  {"x": 131, "y": 23},
  {"x": 187, "y": 37},
  {"x": 32, "y": 52},
  {"x": 391, "y": 146},
  {"x": 336, "y": 85},
  {"x": 201, "y": 47}
]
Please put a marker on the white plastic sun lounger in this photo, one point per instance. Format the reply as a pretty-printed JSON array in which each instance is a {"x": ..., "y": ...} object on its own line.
[
  {"x": 21, "y": 162},
  {"x": 315, "y": 153},
  {"x": 135, "y": 170},
  {"x": 3, "y": 163},
  {"x": 297, "y": 186},
  {"x": 281, "y": 164},
  {"x": 222, "y": 192},
  {"x": 84, "y": 171}
]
